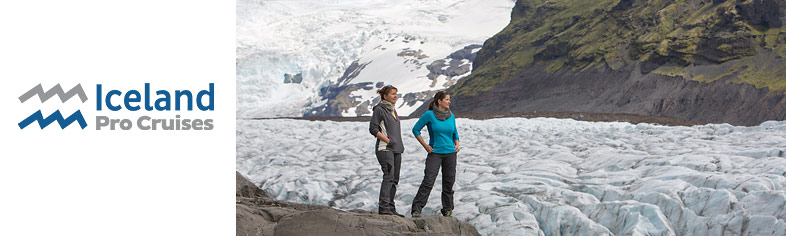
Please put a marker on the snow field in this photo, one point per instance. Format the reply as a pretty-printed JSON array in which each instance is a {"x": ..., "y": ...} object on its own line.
[{"x": 321, "y": 39}]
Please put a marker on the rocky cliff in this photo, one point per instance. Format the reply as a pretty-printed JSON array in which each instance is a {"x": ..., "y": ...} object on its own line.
[
  {"x": 259, "y": 214},
  {"x": 701, "y": 60}
]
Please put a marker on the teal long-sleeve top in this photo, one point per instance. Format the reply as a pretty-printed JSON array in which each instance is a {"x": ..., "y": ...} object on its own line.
[{"x": 441, "y": 133}]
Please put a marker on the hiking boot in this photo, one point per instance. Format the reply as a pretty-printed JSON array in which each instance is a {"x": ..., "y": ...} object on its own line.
[
  {"x": 398, "y": 214},
  {"x": 446, "y": 213},
  {"x": 415, "y": 214},
  {"x": 385, "y": 211},
  {"x": 393, "y": 211}
]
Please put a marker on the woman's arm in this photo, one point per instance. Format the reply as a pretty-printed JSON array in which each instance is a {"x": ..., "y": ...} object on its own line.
[
  {"x": 456, "y": 137},
  {"x": 373, "y": 125},
  {"x": 422, "y": 121},
  {"x": 382, "y": 137},
  {"x": 428, "y": 148}
]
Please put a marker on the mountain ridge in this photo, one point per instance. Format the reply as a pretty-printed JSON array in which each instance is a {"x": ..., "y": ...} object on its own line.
[{"x": 703, "y": 61}]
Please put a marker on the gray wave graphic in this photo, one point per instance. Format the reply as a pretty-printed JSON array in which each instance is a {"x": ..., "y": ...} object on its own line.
[{"x": 57, "y": 90}]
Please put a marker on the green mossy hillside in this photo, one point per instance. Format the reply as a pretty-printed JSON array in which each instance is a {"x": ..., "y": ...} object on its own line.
[{"x": 667, "y": 37}]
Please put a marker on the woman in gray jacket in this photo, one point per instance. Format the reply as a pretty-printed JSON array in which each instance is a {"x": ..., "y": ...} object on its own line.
[{"x": 386, "y": 127}]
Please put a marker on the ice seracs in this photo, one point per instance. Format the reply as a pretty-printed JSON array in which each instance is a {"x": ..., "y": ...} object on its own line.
[
  {"x": 545, "y": 176},
  {"x": 394, "y": 41}
]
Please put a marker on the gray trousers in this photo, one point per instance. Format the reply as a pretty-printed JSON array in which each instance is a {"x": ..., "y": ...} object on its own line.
[
  {"x": 433, "y": 163},
  {"x": 391, "y": 167}
]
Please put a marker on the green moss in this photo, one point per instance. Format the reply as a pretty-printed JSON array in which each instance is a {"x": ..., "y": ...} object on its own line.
[
  {"x": 615, "y": 60},
  {"x": 771, "y": 37},
  {"x": 727, "y": 48},
  {"x": 523, "y": 58},
  {"x": 555, "y": 66},
  {"x": 663, "y": 48},
  {"x": 668, "y": 15},
  {"x": 762, "y": 77},
  {"x": 701, "y": 16},
  {"x": 709, "y": 79},
  {"x": 780, "y": 51},
  {"x": 672, "y": 71},
  {"x": 734, "y": 70},
  {"x": 771, "y": 74},
  {"x": 700, "y": 78}
]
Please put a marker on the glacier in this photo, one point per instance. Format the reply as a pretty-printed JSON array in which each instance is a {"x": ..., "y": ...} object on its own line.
[
  {"x": 411, "y": 44},
  {"x": 544, "y": 176}
]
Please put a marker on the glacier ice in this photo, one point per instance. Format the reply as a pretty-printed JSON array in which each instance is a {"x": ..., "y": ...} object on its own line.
[
  {"x": 544, "y": 176},
  {"x": 320, "y": 40}
]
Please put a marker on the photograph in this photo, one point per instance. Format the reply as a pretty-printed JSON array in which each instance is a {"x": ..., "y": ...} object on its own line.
[{"x": 509, "y": 117}]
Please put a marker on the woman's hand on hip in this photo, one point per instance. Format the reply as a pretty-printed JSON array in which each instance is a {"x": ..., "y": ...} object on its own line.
[
  {"x": 458, "y": 147},
  {"x": 428, "y": 148}
]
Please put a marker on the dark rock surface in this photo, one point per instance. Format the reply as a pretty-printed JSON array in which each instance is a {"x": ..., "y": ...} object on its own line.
[
  {"x": 454, "y": 65},
  {"x": 296, "y": 79},
  {"x": 258, "y": 214},
  {"x": 339, "y": 99},
  {"x": 600, "y": 91},
  {"x": 338, "y": 94}
]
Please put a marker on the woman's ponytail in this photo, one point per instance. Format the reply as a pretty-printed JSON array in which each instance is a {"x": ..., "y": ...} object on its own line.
[
  {"x": 385, "y": 90},
  {"x": 439, "y": 96}
]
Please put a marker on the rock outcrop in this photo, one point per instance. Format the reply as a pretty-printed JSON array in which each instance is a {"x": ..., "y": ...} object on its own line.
[
  {"x": 258, "y": 214},
  {"x": 719, "y": 61}
]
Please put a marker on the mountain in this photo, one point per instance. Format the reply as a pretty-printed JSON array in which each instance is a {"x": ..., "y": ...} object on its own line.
[
  {"x": 327, "y": 58},
  {"x": 704, "y": 61}
]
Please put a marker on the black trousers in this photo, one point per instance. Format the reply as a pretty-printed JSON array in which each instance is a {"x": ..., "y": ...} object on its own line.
[
  {"x": 433, "y": 163},
  {"x": 391, "y": 167}
]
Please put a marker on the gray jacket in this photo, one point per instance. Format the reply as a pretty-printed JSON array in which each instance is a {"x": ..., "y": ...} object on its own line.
[{"x": 383, "y": 120}]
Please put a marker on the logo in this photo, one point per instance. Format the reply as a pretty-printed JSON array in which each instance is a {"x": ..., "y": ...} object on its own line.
[
  {"x": 56, "y": 116},
  {"x": 150, "y": 103}
]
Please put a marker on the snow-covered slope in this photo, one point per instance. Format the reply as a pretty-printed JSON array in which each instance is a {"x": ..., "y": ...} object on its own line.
[
  {"x": 416, "y": 45},
  {"x": 545, "y": 176}
]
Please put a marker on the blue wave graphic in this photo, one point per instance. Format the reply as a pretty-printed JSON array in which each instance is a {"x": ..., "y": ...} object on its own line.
[{"x": 56, "y": 116}]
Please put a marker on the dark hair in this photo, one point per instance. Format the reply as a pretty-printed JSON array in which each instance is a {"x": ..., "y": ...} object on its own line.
[
  {"x": 385, "y": 90},
  {"x": 439, "y": 96}
]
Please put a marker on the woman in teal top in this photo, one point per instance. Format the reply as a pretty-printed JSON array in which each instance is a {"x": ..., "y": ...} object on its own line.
[{"x": 442, "y": 148}]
